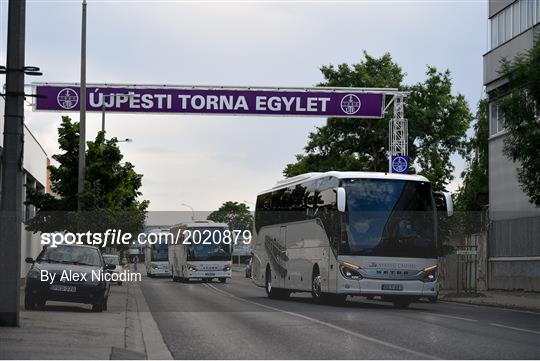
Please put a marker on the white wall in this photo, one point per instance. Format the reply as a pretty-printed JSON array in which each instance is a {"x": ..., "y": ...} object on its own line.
[
  {"x": 506, "y": 199},
  {"x": 35, "y": 158},
  {"x": 34, "y": 163}
]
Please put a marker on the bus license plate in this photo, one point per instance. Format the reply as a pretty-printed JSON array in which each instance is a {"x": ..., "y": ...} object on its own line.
[
  {"x": 392, "y": 287},
  {"x": 209, "y": 274},
  {"x": 63, "y": 288}
]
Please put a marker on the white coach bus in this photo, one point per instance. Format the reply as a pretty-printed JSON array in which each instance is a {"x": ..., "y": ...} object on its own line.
[
  {"x": 348, "y": 233},
  {"x": 156, "y": 256},
  {"x": 200, "y": 252}
]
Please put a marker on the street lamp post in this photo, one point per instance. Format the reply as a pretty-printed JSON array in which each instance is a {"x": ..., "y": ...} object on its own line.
[
  {"x": 82, "y": 120},
  {"x": 192, "y": 211}
]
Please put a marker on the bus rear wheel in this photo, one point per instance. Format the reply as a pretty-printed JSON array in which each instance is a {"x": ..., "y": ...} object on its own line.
[
  {"x": 271, "y": 292},
  {"x": 316, "y": 288}
]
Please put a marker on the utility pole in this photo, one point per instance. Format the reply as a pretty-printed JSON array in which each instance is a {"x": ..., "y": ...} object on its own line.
[
  {"x": 12, "y": 168},
  {"x": 82, "y": 120}
]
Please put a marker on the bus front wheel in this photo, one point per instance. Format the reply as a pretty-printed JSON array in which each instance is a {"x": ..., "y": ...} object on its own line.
[{"x": 223, "y": 279}]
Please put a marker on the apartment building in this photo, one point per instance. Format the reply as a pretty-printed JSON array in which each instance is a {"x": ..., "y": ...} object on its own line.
[{"x": 514, "y": 232}]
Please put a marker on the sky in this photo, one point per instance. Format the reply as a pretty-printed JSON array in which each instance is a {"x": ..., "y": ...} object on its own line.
[{"x": 204, "y": 161}]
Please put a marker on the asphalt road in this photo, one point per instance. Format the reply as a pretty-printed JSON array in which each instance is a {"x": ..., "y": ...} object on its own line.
[{"x": 237, "y": 321}]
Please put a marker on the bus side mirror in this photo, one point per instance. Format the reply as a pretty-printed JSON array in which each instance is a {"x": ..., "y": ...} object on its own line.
[
  {"x": 444, "y": 202},
  {"x": 341, "y": 199}
]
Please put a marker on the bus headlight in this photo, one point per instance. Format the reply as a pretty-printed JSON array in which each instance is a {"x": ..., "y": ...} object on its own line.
[
  {"x": 227, "y": 268},
  {"x": 429, "y": 274},
  {"x": 191, "y": 267},
  {"x": 350, "y": 271}
]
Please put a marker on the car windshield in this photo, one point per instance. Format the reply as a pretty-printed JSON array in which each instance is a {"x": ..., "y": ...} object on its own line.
[
  {"x": 111, "y": 259},
  {"x": 87, "y": 256},
  {"x": 387, "y": 217},
  {"x": 209, "y": 252}
]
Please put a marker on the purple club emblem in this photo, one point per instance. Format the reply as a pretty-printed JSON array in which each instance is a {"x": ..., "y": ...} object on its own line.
[
  {"x": 350, "y": 104},
  {"x": 400, "y": 164},
  {"x": 67, "y": 98}
]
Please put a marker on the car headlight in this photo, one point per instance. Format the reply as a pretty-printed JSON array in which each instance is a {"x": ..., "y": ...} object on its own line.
[
  {"x": 191, "y": 267},
  {"x": 429, "y": 274},
  {"x": 34, "y": 273},
  {"x": 227, "y": 268},
  {"x": 350, "y": 271}
]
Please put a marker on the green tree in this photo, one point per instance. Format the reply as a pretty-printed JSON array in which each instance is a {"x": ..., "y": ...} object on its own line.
[
  {"x": 520, "y": 111},
  {"x": 438, "y": 121},
  {"x": 471, "y": 198},
  {"x": 236, "y": 215},
  {"x": 111, "y": 196},
  {"x": 473, "y": 193}
]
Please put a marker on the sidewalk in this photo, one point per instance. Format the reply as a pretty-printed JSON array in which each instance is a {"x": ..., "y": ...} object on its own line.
[
  {"x": 71, "y": 331},
  {"x": 529, "y": 301}
]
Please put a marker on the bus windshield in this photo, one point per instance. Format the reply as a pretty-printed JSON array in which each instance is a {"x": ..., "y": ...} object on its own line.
[
  {"x": 209, "y": 252},
  {"x": 160, "y": 252},
  {"x": 387, "y": 217}
]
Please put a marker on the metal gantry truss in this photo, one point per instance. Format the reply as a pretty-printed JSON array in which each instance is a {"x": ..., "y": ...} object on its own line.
[{"x": 398, "y": 129}]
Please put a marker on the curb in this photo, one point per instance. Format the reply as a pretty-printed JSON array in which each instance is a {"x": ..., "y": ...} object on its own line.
[
  {"x": 142, "y": 332},
  {"x": 494, "y": 305}
]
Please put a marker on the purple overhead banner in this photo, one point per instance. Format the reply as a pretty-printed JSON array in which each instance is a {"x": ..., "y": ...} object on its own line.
[{"x": 221, "y": 101}]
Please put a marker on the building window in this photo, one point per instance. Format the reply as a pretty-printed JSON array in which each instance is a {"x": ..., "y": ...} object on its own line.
[
  {"x": 523, "y": 17},
  {"x": 494, "y": 37},
  {"x": 508, "y": 24},
  {"x": 513, "y": 20},
  {"x": 501, "y": 28},
  {"x": 496, "y": 119},
  {"x": 530, "y": 13}
]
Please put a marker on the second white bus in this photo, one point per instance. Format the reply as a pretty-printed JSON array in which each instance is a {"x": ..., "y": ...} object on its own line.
[
  {"x": 156, "y": 259},
  {"x": 196, "y": 256}
]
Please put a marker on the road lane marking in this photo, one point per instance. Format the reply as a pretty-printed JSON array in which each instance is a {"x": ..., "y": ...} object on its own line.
[
  {"x": 349, "y": 332},
  {"x": 448, "y": 316},
  {"x": 515, "y": 328}
]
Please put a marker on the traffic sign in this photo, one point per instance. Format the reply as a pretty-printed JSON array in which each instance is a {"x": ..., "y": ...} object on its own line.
[{"x": 400, "y": 164}]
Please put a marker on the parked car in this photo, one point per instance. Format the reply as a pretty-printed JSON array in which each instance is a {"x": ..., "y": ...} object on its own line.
[
  {"x": 64, "y": 273},
  {"x": 114, "y": 260},
  {"x": 248, "y": 269}
]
